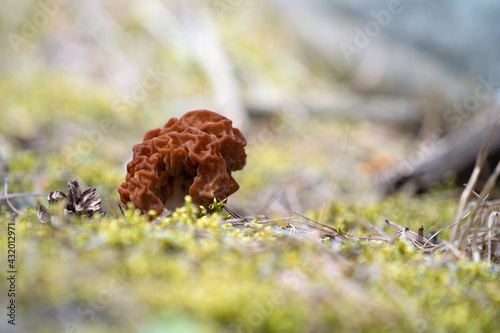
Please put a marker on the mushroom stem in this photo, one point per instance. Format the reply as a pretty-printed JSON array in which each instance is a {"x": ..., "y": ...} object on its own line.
[{"x": 178, "y": 195}]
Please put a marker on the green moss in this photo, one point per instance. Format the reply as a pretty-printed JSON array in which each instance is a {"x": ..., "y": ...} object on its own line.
[
  {"x": 433, "y": 211},
  {"x": 186, "y": 273}
]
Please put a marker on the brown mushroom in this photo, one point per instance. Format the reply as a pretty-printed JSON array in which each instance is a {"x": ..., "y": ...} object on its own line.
[{"x": 193, "y": 155}]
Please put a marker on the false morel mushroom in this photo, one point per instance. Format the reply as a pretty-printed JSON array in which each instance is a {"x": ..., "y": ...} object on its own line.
[{"x": 193, "y": 155}]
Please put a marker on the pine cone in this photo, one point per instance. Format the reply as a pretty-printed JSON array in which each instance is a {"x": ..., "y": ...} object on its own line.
[{"x": 87, "y": 203}]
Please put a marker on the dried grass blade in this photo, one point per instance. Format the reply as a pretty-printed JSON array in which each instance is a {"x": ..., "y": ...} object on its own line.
[
  {"x": 493, "y": 216},
  {"x": 317, "y": 222},
  {"x": 481, "y": 158},
  {"x": 22, "y": 195},
  {"x": 6, "y": 192}
]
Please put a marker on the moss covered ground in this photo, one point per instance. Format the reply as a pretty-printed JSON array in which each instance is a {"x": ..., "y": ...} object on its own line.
[
  {"x": 123, "y": 273},
  {"x": 190, "y": 274}
]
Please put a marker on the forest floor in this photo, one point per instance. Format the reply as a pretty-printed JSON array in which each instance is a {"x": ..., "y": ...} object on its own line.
[{"x": 318, "y": 257}]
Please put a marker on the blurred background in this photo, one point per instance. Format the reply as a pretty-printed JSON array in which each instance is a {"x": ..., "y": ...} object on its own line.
[{"x": 338, "y": 100}]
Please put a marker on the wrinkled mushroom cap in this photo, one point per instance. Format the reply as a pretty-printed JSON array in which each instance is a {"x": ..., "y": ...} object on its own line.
[{"x": 193, "y": 155}]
